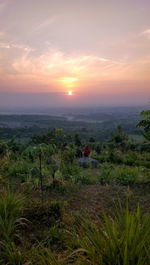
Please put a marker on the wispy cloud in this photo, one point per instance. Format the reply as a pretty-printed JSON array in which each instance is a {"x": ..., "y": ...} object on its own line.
[
  {"x": 146, "y": 33},
  {"x": 44, "y": 24},
  {"x": 54, "y": 65},
  {"x": 2, "y": 34},
  {"x": 8, "y": 45}
]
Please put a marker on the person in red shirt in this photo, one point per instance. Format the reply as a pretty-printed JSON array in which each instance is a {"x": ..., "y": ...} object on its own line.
[{"x": 86, "y": 151}]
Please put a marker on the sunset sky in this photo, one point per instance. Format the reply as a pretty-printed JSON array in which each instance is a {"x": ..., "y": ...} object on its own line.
[{"x": 98, "y": 49}]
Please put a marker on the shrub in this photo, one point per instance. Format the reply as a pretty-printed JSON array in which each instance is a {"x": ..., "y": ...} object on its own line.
[
  {"x": 18, "y": 169},
  {"x": 57, "y": 208},
  {"x": 84, "y": 178},
  {"x": 54, "y": 238},
  {"x": 105, "y": 173},
  {"x": 114, "y": 157},
  {"x": 126, "y": 175},
  {"x": 70, "y": 173}
]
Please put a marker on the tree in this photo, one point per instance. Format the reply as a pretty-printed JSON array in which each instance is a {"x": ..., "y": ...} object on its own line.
[
  {"x": 77, "y": 140},
  {"x": 119, "y": 139},
  {"x": 3, "y": 148},
  {"x": 145, "y": 123}
]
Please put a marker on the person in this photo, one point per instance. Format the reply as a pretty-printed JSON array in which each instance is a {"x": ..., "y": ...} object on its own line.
[
  {"x": 78, "y": 153},
  {"x": 86, "y": 151}
]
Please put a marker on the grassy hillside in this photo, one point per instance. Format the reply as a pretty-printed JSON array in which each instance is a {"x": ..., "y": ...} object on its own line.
[{"x": 53, "y": 211}]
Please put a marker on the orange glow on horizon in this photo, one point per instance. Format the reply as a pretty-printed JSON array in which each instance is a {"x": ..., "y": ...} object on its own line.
[
  {"x": 68, "y": 81},
  {"x": 69, "y": 93}
]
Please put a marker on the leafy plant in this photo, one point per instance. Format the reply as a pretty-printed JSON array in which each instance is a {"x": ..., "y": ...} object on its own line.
[
  {"x": 105, "y": 173},
  {"x": 54, "y": 238},
  {"x": 57, "y": 208},
  {"x": 145, "y": 123},
  {"x": 126, "y": 175}
]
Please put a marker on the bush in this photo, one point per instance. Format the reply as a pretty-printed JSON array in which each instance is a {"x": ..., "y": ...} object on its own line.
[
  {"x": 84, "y": 179},
  {"x": 114, "y": 157},
  {"x": 18, "y": 169},
  {"x": 57, "y": 209},
  {"x": 126, "y": 175},
  {"x": 105, "y": 174},
  {"x": 129, "y": 160},
  {"x": 55, "y": 238},
  {"x": 70, "y": 173}
]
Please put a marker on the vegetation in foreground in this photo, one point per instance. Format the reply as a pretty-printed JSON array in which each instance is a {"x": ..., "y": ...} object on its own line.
[{"x": 52, "y": 211}]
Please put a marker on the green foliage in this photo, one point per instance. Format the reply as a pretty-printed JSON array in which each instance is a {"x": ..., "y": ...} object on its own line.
[
  {"x": 145, "y": 124},
  {"x": 114, "y": 157},
  {"x": 120, "y": 139},
  {"x": 57, "y": 209},
  {"x": 123, "y": 240},
  {"x": 71, "y": 173},
  {"x": 55, "y": 237},
  {"x": 10, "y": 215},
  {"x": 84, "y": 178},
  {"x": 115, "y": 241},
  {"x": 68, "y": 156},
  {"x": 10, "y": 254},
  {"x": 3, "y": 149},
  {"x": 123, "y": 175},
  {"x": 105, "y": 176},
  {"x": 129, "y": 159},
  {"x": 44, "y": 256},
  {"x": 77, "y": 140},
  {"x": 18, "y": 169},
  {"x": 126, "y": 175}
]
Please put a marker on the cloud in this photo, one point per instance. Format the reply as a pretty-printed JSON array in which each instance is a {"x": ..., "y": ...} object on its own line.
[
  {"x": 56, "y": 64},
  {"x": 7, "y": 45},
  {"x": 2, "y": 34},
  {"x": 146, "y": 33},
  {"x": 47, "y": 22},
  {"x": 28, "y": 68}
]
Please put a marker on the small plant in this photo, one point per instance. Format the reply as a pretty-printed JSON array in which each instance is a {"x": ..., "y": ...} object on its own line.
[
  {"x": 71, "y": 172},
  {"x": 84, "y": 178},
  {"x": 126, "y": 176},
  {"x": 105, "y": 176},
  {"x": 57, "y": 209},
  {"x": 54, "y": 238}
]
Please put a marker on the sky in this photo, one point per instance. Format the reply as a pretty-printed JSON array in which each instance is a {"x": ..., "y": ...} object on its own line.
[{"x": 98, "y": 49}]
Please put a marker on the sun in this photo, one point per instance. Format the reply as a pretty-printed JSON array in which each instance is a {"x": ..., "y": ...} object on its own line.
[{"x": 69, "y": 93}]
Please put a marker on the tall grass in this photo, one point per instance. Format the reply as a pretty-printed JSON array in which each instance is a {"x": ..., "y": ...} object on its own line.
[
  {"x": 45, "y": 257},
  {"x": 123, "y": 240},
  {"x": 10, "y": 254},
  {"x": 10, "y": 211},
  {"x": 10, "y": 219}
]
